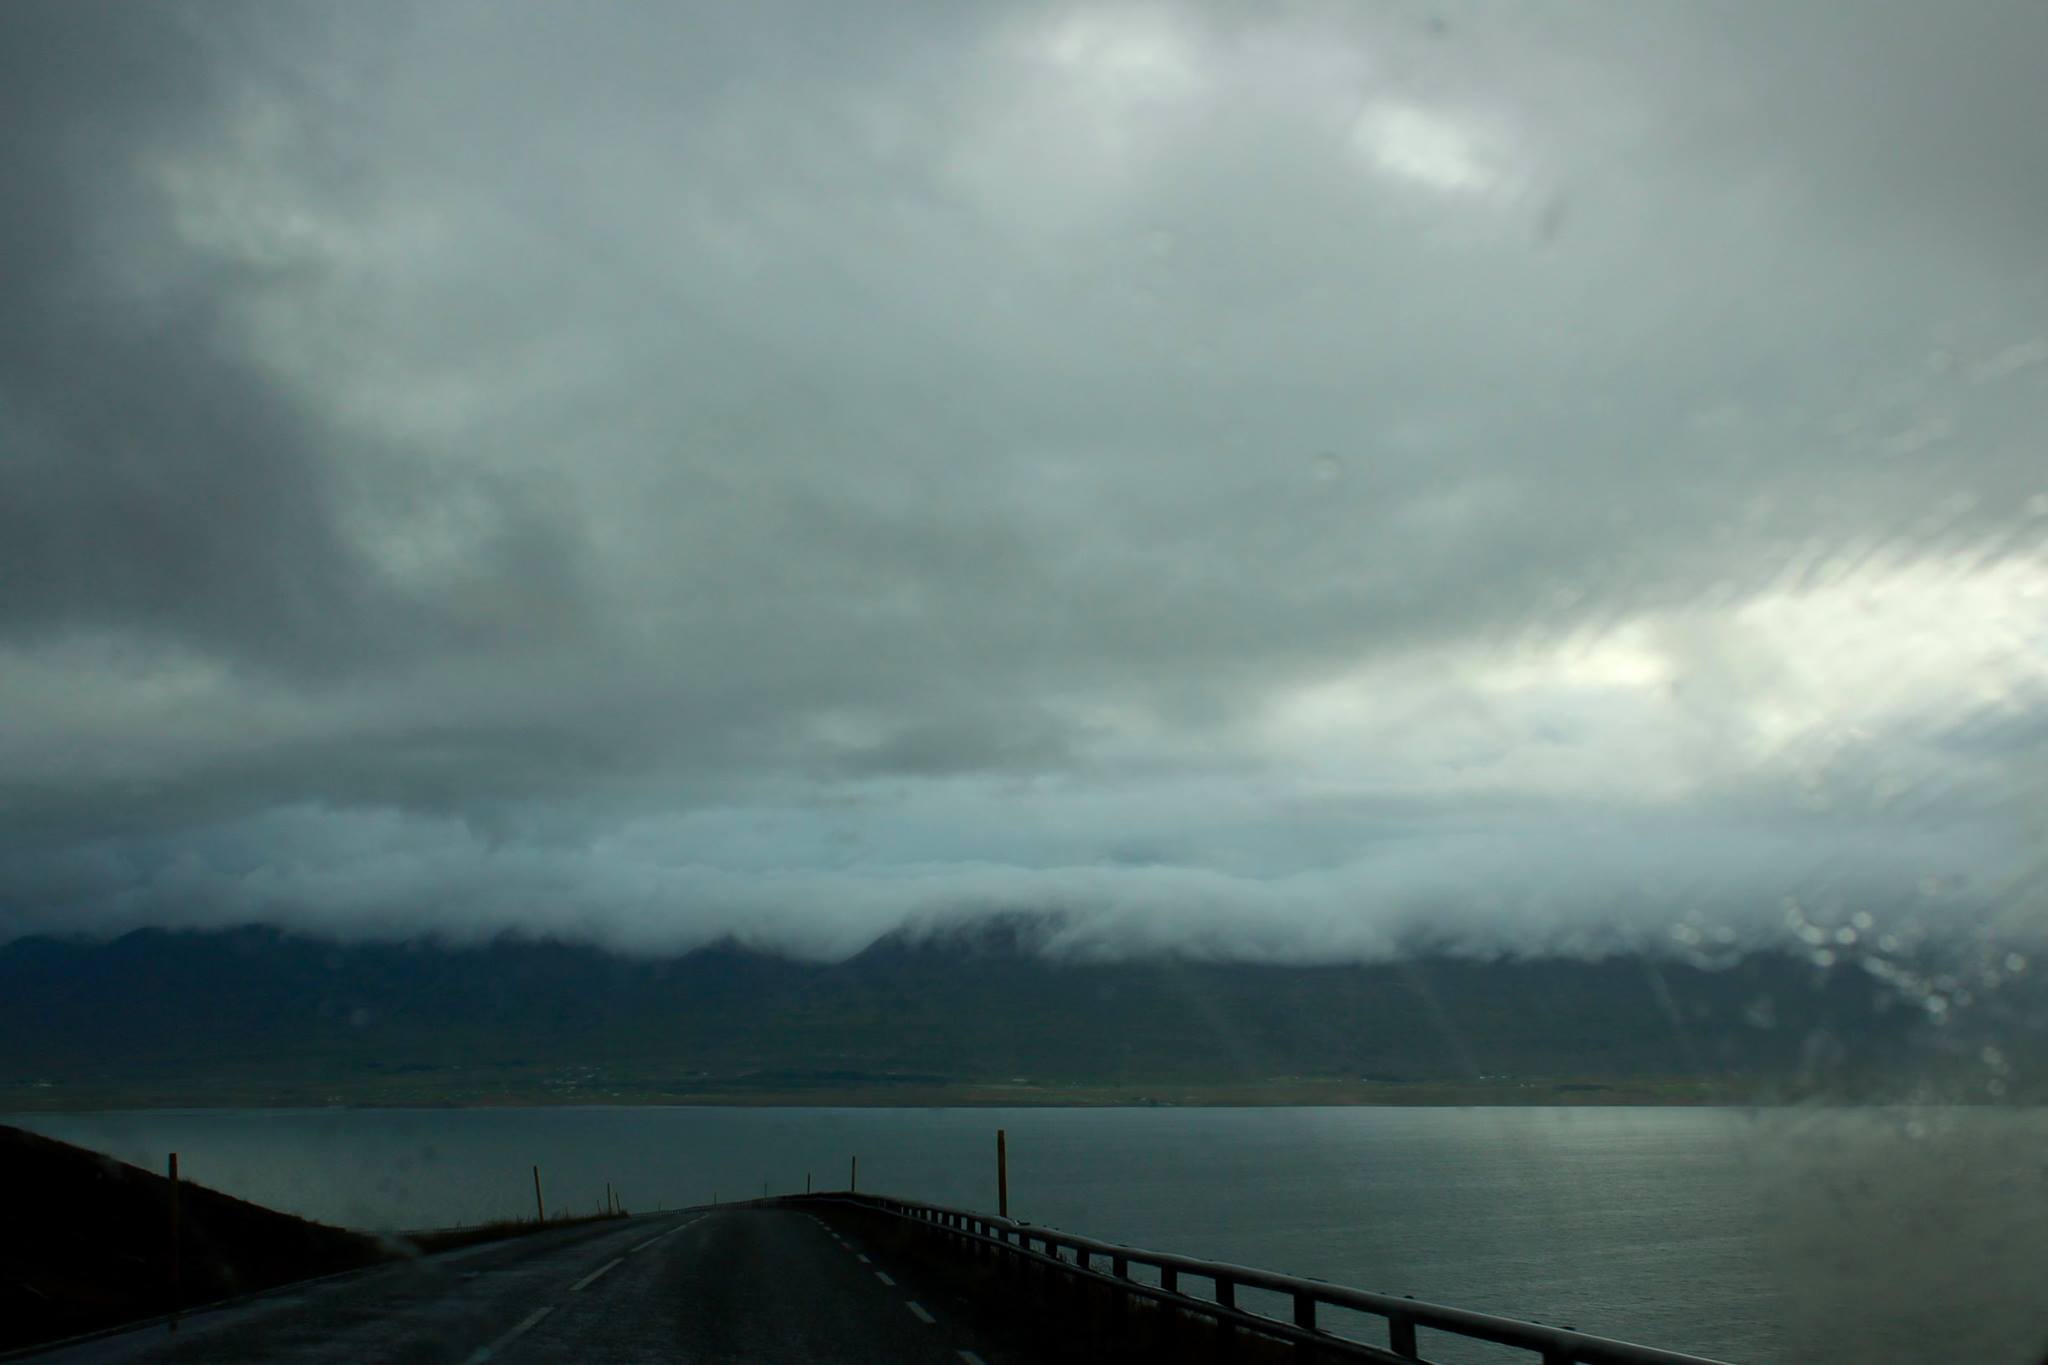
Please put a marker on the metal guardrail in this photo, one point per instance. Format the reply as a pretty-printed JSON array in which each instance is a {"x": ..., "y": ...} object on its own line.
[{"x": 1047, "y": 1248}]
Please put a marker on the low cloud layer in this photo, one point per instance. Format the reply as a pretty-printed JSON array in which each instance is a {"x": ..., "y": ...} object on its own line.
[{"x": 1307, "y": 484}]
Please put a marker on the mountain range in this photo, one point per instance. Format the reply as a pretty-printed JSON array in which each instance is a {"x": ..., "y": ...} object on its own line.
[{"x": 259, "y": 1016}]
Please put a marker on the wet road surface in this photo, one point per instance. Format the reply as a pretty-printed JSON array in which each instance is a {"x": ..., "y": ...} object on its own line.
[{"x": 699, "y": 1286}]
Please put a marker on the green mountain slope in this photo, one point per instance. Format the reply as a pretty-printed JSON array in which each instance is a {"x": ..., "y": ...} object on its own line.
[{"x": 255, "y": 1015}]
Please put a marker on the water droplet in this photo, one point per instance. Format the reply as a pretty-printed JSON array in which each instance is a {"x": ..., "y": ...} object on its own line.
[{"x": 1327, "y": 468}]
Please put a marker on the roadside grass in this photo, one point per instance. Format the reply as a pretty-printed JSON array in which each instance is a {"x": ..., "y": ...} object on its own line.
[{"x": 430, "y": 1241}]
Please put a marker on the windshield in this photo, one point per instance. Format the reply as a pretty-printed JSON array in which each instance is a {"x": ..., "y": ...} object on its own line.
[{"x": 1460, "y": 588}]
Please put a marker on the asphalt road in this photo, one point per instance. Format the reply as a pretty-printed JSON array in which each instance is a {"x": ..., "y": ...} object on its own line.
[{"x": 718, "y": 1285}]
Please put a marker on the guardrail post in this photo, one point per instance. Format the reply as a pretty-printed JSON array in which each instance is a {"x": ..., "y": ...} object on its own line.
[
  {"x": 1169, "y": 1316},
  {"x": 177, "y": 1240},
  {"x": 1401, "y": 1338},
  {"x": 1226, "y": 1332},
  {"x": 1305, "y": 1319}
]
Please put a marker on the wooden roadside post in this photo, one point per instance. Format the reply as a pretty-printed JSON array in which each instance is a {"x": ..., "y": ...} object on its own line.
[
  {"x": 807, "y": 1182},
  {"x": 1002, "y": 1173},
  {"x": 177, "y": 1291},
  {"x": 540, "y": 1210},
  {"x": 853, "y": 1176},
  {"x": 609, "y": 1205}
]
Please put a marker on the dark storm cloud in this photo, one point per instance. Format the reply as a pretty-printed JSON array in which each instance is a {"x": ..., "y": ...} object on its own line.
[
  {"x": 1295, "y": 482},
  {"x": 156, "y": 478}
]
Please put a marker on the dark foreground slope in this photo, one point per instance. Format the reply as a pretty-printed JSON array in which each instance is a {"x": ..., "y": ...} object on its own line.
[
  {"x": 88, "y": 1243},
  {"x": 85, "y": 1242},
  {"x": 255, "y": 1016}
]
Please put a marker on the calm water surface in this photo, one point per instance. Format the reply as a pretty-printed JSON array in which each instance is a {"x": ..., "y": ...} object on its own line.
[{"x": 1780, "y": 1235}]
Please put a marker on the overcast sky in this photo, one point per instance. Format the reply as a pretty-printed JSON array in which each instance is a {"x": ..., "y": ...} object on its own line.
[{"x": 1295, "y": 481}]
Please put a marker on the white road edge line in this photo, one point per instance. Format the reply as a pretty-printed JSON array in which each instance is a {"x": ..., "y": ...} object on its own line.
[
  {"x": 659, "y": 1235},
  {"x": 587, "y": 1280},
  {"x": 917, "y": 1308},
  {"x": 972, "y": 1359},
  {"x": 883, "y": 1276},
  {"x": 483, "y": 1353},
  {"x": 862, "y": 1259}
]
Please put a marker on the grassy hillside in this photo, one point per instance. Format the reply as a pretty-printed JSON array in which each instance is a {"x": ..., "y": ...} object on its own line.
[{"x": 89, "y": 1243}]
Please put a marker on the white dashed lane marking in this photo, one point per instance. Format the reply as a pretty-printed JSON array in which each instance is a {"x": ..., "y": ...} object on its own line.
[
  {"x": 917, "y": 1310},
  {"x": 483, "y": 1353}
]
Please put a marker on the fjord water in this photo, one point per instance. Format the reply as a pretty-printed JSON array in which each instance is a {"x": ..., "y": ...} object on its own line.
[{"x": 1790, "y": 1235}]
